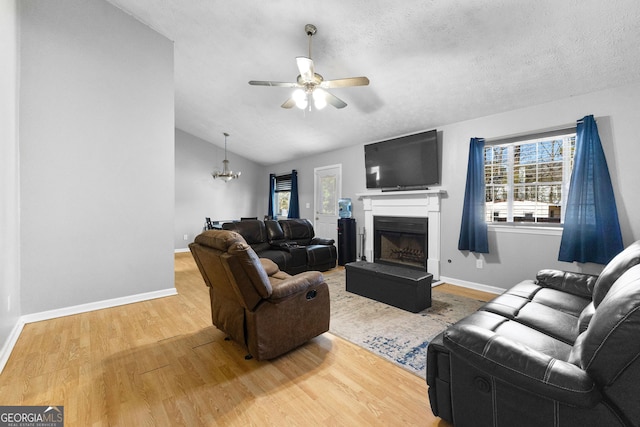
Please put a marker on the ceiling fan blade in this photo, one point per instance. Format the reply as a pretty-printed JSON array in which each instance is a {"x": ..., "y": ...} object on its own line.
[
  {"x": 305, "y": 66},
  {"x": 289, "y": 103},
  {"x": 274, "y": 84},
  {"x": 349, "y": 81},
  {"x": 331, "y": 98}
]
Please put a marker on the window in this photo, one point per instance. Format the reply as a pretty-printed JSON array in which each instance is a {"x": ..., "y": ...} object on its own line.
[
  {"x": 527, "y": 179},
  {"x": 328, "y": 203},
  {"x": 283, "y": 194}
]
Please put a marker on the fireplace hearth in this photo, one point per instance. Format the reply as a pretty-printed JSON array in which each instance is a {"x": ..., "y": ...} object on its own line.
[{"x": 401, "y": 241}]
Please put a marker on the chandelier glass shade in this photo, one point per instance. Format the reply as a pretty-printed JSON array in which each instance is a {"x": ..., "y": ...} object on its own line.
[{"x": 226, "y": 174}]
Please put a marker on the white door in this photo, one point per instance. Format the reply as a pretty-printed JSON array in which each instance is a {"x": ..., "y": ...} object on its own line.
[{"x": 328, "y": 190}]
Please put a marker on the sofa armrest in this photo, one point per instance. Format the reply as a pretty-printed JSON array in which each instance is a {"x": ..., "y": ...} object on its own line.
[
  {"x": 522, "y": 366},
  {"x": 322, "y": 241},
  {"x": 574, "y": 283},
  {"x": 269, "y": 266},
  {"x": 294, "y": 285}
]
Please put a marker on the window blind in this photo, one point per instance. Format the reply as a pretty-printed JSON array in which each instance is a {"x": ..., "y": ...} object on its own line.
[
  {"x": 531, "y": 136},
  {"x": 283, "y": 183}
]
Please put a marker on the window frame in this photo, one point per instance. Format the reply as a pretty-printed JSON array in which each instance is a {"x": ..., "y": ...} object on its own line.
[
  {"x": 282, "y": 185},
  {"x": 535, "y": 227}
]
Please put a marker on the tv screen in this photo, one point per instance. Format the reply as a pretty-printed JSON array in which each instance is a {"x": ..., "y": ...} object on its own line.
[{"x": 408, "y": 162}]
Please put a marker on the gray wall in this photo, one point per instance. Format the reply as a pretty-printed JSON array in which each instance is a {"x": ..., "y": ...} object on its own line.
[
  {"x": 198, "y": 195},
  {"x": 96, "y": 155},
  {"x": 514, "y": 256},
  {"x": 9, "y": 172}
]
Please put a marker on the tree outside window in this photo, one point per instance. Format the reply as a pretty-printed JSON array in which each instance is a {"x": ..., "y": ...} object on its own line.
[
  {"x": 283, "y": 198},
  {"x": 527, "y": 181},
  {"x": 329, "y": 187}
]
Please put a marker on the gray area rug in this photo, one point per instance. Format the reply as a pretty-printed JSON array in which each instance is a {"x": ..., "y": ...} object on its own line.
[{"x": 395, "y": 334}]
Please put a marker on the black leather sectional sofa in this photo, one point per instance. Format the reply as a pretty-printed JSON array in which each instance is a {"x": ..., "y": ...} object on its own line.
[
  {"x": 561, "y": 350},
  {"x": 290, "y": 243}
]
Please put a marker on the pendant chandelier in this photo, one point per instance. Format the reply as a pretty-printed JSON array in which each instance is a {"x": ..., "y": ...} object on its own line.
[{"x": 226, "y": 175}]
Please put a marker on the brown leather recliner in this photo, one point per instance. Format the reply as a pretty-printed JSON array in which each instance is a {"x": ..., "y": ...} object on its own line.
[{"x": 267, "y": 310}]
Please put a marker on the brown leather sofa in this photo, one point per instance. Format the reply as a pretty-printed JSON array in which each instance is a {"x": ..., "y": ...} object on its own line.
[
  {"x": 264, "y": 309},
  {"x": 563, "y": 350},
  {"x": 290, "y": 243}
]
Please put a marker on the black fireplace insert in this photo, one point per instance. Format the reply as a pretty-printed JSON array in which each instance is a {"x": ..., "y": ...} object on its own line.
[{"x": 401, "y": 241}]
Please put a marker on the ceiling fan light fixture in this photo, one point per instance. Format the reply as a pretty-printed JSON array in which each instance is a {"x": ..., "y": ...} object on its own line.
[
  {"x": 309, "y": 81},
  {"x": 226, "y": 174},
  {"x": 300, "y": 97},
  {"x": 319, "y": 100}
]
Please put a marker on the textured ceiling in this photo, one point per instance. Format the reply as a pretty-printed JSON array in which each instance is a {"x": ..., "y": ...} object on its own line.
[{"x": 430, "y": 63}]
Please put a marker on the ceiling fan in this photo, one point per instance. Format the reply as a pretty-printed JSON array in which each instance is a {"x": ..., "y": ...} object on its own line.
[{"x": 310, "y": 85}]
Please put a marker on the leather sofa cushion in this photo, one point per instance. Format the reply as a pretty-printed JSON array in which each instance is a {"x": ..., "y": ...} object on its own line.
[
  {"x": 611, "y": 343},
  {"x": 585, "y": 317},
  {"x": 558, "y": 324},
  {"x": 546, "y": 310},
  {"x": 281, "y": 258},
  {"x": 559, "y": 300},
  {"x": 275, "y": 234},
  {"x": 269, "y": 266},
  {"x": 250, "y": 278},
  {"x": 252, "y": 230},
  {"x": 614, "y": 269},
  {"x": 519, "y": 333},
  {"x": 298, "y": 230}
]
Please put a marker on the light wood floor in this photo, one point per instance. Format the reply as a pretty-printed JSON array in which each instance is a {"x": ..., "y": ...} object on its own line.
[{"x": 161, "y": 362}]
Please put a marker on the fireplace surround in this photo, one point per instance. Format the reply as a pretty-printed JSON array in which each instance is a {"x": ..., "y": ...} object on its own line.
[{"x": 408, "y": 204}]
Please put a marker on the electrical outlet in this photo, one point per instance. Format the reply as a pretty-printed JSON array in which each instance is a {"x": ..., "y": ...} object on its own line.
[
  {"x": 479, "y": 263},
  {"x": 186, "y": 237},
  {"x": 308, "y": 205}
]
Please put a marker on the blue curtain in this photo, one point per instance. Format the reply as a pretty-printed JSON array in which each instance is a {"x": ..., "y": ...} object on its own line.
[
  {"x": 294, "y": 206},
  {"x": 272, "y": 196},
  {"x": 591, "y": 230},
  {"x": 473, "y": 231}
]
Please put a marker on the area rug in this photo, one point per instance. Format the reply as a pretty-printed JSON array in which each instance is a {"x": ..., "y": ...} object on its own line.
[{"x": 395, "y": 334}]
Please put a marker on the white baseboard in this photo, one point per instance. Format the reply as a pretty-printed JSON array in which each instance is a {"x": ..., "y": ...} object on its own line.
[
  {"x": 472, "y": 285},
  {"x": 10, "y": 343},
  {"x": 98, "y": 305},
  {"x": 177, "y": 251}
]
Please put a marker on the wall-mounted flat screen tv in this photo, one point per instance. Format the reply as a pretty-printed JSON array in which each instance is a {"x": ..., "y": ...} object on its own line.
[{"x": 405, "y": 163}]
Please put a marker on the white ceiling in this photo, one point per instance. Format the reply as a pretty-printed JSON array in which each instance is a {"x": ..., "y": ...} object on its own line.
[{"x": 430, "y": 63}]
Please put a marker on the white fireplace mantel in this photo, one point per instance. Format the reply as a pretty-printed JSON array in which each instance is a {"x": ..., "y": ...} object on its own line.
[{"x": 414, "y": 203}]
